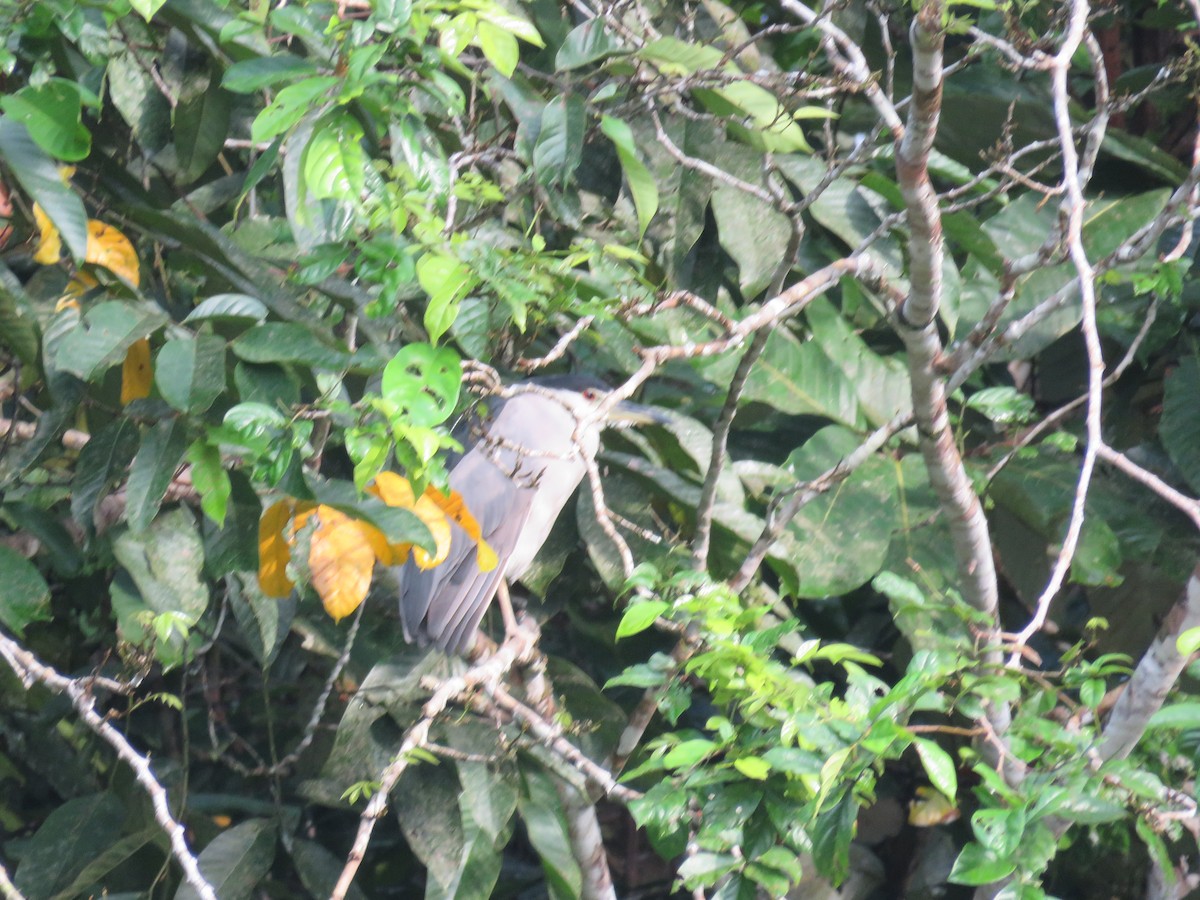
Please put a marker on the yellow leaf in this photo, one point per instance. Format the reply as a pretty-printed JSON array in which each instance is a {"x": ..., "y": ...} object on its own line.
[
  {"x": 49, "y": 245},
  {"x": 136, "y": 373},
  {"x": 384, "y": 552},
  {"x": 394, "y": 490},
  {"x": 931, "y": 807},
  {"x": 439, "y": 526},
  {"x": 107, "y": 246},
  {"x": 485, "y": 556},
  {"x": 340, "y": 559},
  {"x": 274, "y": 550},
  {"x": 455, "y": 507}
]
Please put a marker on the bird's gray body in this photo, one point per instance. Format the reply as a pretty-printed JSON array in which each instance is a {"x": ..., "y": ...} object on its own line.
[{"x": 515, "y": 481}]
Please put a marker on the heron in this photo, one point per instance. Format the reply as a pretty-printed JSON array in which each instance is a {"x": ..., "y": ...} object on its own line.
[{"x": 530, "y": 457}]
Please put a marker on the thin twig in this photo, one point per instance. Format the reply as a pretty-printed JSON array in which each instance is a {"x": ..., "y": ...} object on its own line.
[{"x": 29, "y": 669}]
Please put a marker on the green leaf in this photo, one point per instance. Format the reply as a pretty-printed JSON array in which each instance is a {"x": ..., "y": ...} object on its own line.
[
  {"x": 102, "y": 462},
  {"x": 424, "y": 382},
  {"x": 147, "y": 8},
  {"x": 165, "y": 563},
  {"x": 1181, "y": 716},
  {"x": 38, "y": 175},
  {"x": 251, "y": 75},
  {"x": 58, "y": 544},
  {"x": 153, "y": 468},
  {"x": 233, "y": 545},
  {"x": 559, "y": 147},
  {"x": 73, "y": 835},
  {"x": 107, "y": 331},
  {"x": 291, "y": 105},
  {"x": 446, "y": 280},
  {"x": 499, "y": 47},
  {"x": 642, "y": 186},
  {"x": 138, "y": 99},
  {"x": 640, "y": 616},
  {"x": 228, "y": 307},
  {"x": 116, "y": 855},
  {"x": 976, "y": 866},
  {"x": 201, "y": 126},
  {"x": 53, "y": 114},
  {"x": 542, "y": 812},
  {"x": 939, "y": 766},
  {"x": 210, "y": 479},
  {"x": 585, "y": 44},
  {"x": 840, "y": 540},
  {"x": 190, "y": 372},
  {"x": 1179, "y": 427},
  {"x": 334, "y": 160},
  {"x": 319, "y": 870},
  {"x": 236, "y": 860},
  {"x": 496, "y": 14},
  {"x": 18, "y": 327},
  {"x": 832, "y": 833},
  {"x": 687, "y": 753},
  {"x": 752, "y": 767},
  {"x": 288, "y": 342},
  {"x": 24, "y": 594}
]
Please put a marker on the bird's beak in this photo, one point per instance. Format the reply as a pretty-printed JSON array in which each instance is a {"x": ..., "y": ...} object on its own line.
[{"x": 627, "y": 414}]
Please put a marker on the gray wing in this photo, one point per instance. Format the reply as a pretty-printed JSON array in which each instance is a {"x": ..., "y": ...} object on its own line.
[{"x": 444, "y": 605}]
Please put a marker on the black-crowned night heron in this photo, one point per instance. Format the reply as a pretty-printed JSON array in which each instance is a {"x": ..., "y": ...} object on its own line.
[{"x": 530, "y": 458}]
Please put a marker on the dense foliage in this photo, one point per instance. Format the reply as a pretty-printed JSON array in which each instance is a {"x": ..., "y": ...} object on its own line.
[{"x": 890, "y": 598}]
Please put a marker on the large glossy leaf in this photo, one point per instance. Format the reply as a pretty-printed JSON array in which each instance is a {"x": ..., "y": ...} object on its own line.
[
  {"x": 24, "y": 594},
  {"x": 319, "y": 869},
  {"x": 313, "y": 221},
  {"x": 52, "y": 112},
  {"x": 155, "y": 465},
  {"x": 542, "y": 812},
  {"x": 754, "y": 233},
  {"x": 334, "y": 159},
  {"x": 236, "y": 860},
  {"x": 559, "y": 145},
  {"x": 288, "y": 342},
  {"x": 1041, "y": 495},
  {"x": 190, "y": 372},
  {"x": 252, "y": 75},
  {"x": 18, "y": 328},
  {"x": 1180, "y": 425},
  {"x": 847, "y": 209},
  {"x": 101, "y": 463},
  {"x": 586, "y": 43},
  {"x": 201, "y": 126},
  {"x": 72, "y": 836},
  {"x": 139, "y": 100},
  {"x": 165, "y": 564},
  {"x": 881, "y": 383},
  {"x": 291, "y": 105},
  {"x": 642, "y": 188},
  {"x": 840, "y": 539},
  {"x": 39, "y": 176},
  {"x": 796, "y": 378},
  {"x": 107, "y": 331},
  {"x": 1020, "y": 228}
]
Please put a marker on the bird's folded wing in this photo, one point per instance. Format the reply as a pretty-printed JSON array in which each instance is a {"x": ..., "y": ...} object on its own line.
[{"x": 445, "y": 604}]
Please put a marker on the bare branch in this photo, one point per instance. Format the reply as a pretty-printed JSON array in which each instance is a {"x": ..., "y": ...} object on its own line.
[
  {"x": 1153, "y": 678},
  {"x": 29, "y": 669}
]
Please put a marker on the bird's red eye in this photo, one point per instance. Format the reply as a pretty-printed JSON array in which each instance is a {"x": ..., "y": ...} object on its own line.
[{"x": 590, "y": 394}]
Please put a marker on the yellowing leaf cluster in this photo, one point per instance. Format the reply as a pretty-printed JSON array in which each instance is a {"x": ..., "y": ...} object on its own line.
[
  {"x": 107, "y": 246},
  {"x": 343, "y": 550}
]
